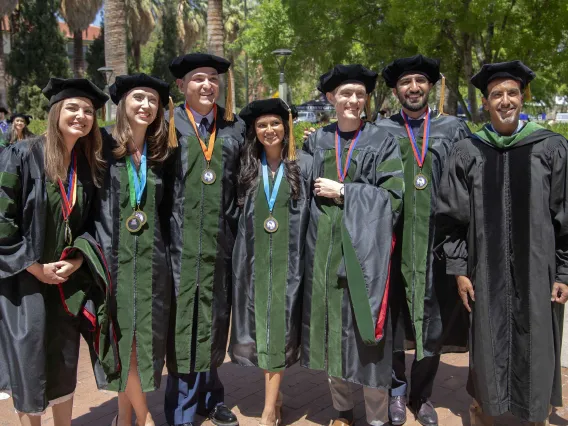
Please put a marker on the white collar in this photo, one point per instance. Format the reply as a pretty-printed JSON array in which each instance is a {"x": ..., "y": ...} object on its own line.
[{"x": 198, "y": 117}]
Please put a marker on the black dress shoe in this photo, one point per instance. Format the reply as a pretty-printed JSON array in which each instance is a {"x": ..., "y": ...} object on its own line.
[
  {"x": 222, "y": 416},
  {"x": 186, "y": 424},
  {"x": 425, "y": 412},
  {"x": 397, "y": 410}
]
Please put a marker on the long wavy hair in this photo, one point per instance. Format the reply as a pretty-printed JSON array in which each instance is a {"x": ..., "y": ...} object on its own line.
[
  {"x": 156, "y": 134},
  {"x": 91, "y": 146},
  {"x": 14, "y": 137},
  {"x": 250, "y": 164}
]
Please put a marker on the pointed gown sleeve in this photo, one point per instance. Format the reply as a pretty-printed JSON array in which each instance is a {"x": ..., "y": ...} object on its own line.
[
  {"x": 370, "y": 214},
  {"x": 452, "y": 213}
]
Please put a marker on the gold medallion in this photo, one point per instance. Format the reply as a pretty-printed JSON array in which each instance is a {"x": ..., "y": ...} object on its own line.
[
  {"x": 133, "y": 223},
  {"x": 208, "y": 177},
  {"x": 270, "y": 225},
  {"x": 420, "y": 181}
]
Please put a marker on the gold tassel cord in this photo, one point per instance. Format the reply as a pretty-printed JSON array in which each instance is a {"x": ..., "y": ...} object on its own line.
[
  {"x": 229, "y": 116},
  {"x": 172, "y": 137},
  {"x": 103, "y": 112},
  {"x": 527, "y": 95},
  {"x": 368, "y": 108},
  {"x": 291, "y": 139},
  {"x": 442, "y": 96}
]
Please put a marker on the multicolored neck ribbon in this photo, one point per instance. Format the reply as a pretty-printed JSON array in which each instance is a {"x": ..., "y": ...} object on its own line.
[
  {"x": 419, "y": 155},
  {"x": 342, "y": 171}
]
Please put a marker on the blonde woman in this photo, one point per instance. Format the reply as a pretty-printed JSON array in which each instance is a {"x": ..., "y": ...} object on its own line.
[
  {"x": 19, "y": 130},
  {"x": 46, "y": 187},
  {"x": 130, "y": 209}
]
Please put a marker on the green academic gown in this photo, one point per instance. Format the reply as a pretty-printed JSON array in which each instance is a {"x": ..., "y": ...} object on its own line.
[
  {"x": 346, "y": 328},
  {"x": 503, "y": 213},
  {"x": 139, "y": 267},
  {"x": 203, "y": 228},
  {"x": 426, "y": 310},
  {"x": 40, "y": 324},
  {"x": 267, "y": 275}
]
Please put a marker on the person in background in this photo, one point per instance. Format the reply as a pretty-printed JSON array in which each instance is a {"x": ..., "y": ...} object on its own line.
[{"x": 19, "y": 127}]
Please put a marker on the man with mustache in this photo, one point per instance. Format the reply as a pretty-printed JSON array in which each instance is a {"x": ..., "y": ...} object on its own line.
[
  {"x": 503, "y": 212},
  {"x": 422, "y": 298},
  {"x": 357, "y": 198},
  {"x": 204, "y": 218}
]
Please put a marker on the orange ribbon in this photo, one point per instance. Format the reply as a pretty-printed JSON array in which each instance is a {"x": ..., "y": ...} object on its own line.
[{"x": 207, "y": 150}]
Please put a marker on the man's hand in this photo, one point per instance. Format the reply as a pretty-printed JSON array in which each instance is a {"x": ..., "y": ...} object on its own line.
[
  {"x": 47, "y": 273},
  {"x": 68, "y": 266},
  {"x": 465, "y": 288},
  {"x": 559, "y": 293},
  {"x": 327, "y": 188},
  {"x": 308, "y": 132}
]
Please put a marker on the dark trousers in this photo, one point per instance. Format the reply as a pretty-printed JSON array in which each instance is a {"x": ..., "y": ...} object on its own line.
[
  {"x": 190, "y": 394},
  {"x": 422, "y": 376}
]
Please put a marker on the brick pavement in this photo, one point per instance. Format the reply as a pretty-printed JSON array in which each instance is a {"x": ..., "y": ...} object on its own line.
[{"x": 306, "y": 397}]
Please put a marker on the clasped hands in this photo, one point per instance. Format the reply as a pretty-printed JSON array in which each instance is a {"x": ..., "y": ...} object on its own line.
[
  {"x": 559, "y": 292},
  {"x": 327, "y": 188},
  {"x": 55, "y": 272}
]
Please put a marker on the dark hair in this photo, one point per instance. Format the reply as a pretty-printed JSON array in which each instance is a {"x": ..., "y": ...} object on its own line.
[
  {"x": 250, "y": 161},
  {"x": 26, "y": 134}
]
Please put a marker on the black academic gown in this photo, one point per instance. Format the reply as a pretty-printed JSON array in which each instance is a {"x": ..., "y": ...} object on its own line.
[
  {"x": 504, "y": 215},
  {"x": 345, "y": 327},
  {"x": 40, "y": 323},
  {"x": 139, "y": 266},
  {"x": 203, "y": 228},
  {"x": 427, "y": 312},
  {"x": 267, "y": 276}
]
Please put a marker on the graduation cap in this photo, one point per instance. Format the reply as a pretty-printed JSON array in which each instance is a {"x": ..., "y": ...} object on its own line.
[
  {"x": 181, "y": 65},
  {"x": 27, "y": 118},
  {"x": 125, "y": 83},
  {"x": 417, "y": 64},
  {"x": 58, "y": 89},
  {"x": 271, "y": 106},
  {"x": 342, "y": 74},
  {"x": 514, "y": 70}
]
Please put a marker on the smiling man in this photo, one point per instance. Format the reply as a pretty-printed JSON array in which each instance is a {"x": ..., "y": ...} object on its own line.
[
  {"x": 422, "y": 298},
  {"x": 503, "y": 212},
  {"x": 203, "y": 226},
  {"x": 356, "y": 204}
]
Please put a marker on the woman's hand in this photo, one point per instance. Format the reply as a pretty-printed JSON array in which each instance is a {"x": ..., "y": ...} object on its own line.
[
  {"x": 68, "y": 266},
  {"x": 47, "y": 273},
  {"x": 327, "y": 188}
]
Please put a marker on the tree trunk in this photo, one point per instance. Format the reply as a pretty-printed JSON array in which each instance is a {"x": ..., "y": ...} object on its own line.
[
  {"x": 216, "y": 37},
  {"x": 2, "y": 71},
  {"x": 136, "y": 55},
  {"x": 115, "y": 37},
  {"x": 78, "y": 63},
  {"x": 468, "y": 73}
]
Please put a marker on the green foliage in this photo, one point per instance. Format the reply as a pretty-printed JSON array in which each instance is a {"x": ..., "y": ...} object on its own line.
[
  {"x": 168, "y": 48},
  {"x": 29, "y": 100},
  {"x": 39, "y": 127},
  {"x": 95, "y": 58},
  {"x": 299, "y": 129}
]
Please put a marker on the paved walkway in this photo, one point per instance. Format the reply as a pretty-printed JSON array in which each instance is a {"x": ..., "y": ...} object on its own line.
[{"x": 306, "y": 397}]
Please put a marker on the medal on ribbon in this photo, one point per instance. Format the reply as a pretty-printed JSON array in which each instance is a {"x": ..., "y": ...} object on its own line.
[
  {"x": 342, "y": 171},
  {"x": 69, "y": 197},
  {"x": 420, "y": 180},
  {"x": 137, "y": 184},
  {"x": 271, "y": 224},
  {"x": 208, "y": 176}
]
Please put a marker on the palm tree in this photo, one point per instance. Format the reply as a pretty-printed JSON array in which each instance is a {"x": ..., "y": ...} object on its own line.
[
  {"x": 79, "y": 14},
  {"x": 140, "y": 19},
  {"x": 115, "y": 37},
  {"x": 192, "y": 21},
  {"x": 215, "y": 28},
  {"x": 6, "y": 8}
]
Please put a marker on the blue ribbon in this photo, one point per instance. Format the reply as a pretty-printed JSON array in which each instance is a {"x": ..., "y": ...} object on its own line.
[
  {"x": 271, "y": 197},
  {"x": 140, "y": 177}
]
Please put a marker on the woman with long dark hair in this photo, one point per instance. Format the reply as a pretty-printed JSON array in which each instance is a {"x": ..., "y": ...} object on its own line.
[
  {"x": 130, "y": 212},
  {"x": 19, "y": 127},
  {"x": 274, "y": 192},
  {"x": 46, "y": 188}
]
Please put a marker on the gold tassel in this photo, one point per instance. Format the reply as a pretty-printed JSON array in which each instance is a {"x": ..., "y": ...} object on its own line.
[
  {"x": 172, "y": 137},
  {"x": 103, "y": 112},
  {"x": 368, "y": 108},
  {"x": 291, "y": 139},
  {"x": 527, "y": 95},
  {"x": 229, "y": 116},
  {"x": 442, "y": 95}
]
